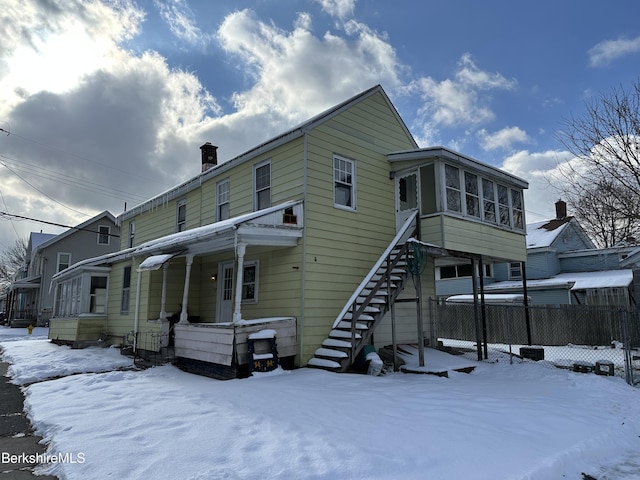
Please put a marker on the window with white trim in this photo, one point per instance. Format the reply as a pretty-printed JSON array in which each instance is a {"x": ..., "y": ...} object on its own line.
[
  {"x": 262, "y": 185},
  {"x": 132, "y": 233},
  {"x": 453, "y": 190},
  {"x": 222, "y": 200},
  {"x": 488, "y": 201},
  {"x": 250, "y": 282},
  {"x": 64, "y": 260},
  {"x": 126, "y": 290},
  {"x": 472, "y": 194},
  {"x": 344, "y": 183},
  {"x": 515, "y": 271},
  {"x": 181, "y": 216},
  {"x": 104, "y": 234},
  {"x": 516, "y": 204}
]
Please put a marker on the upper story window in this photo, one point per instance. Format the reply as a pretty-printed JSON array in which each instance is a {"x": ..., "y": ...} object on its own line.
[
  {"x": 483, "y": 198},
  {"x": 64, "y": 260},
  {"x": 222, "y": 200},
  {"x": 104, "y": 235},
  {"x": 344, "y": 183},
  {"x": 516, "y": 203},
  {"x": 472, "y": 195},
  {"x": 132, "y": 233},
  {"x": 488, "y": 201},
  {"x": 262, "y": 185},
  {"x": 452, "y": 183},
  {"x": 181, "y": 216}
]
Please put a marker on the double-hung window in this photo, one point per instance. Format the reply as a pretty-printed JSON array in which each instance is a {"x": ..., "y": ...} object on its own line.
[
  {"x": 181, "y": 216},
  {"x": 126, "y": 290},
  {"x": 344, "y": 183},
  {"x": 515, "y": 271},
  {"x": 64, "y": 260},
  {"x": 132, "y": 233},
  {"x": 472, "y": 195},
  {"x": 222, "y": 200},
  {"x": 104, "y": 234},
  {"x": 488, "y": 201},
  {"x": 262, "y": 185},
  {"x": 452, "y": 183},
  {"x": 250, "y": 283},
  {"x": 503, "y": 205}
]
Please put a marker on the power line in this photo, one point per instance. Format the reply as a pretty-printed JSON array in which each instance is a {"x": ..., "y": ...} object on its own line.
[{"x": 13, "y": 215}]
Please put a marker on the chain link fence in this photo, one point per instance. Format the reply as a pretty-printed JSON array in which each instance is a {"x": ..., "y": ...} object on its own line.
[{"x": 604, "y": 340}]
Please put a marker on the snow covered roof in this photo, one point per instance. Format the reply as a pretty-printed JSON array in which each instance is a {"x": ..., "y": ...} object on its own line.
[
  {"x": 543, "y": 234},
  {"x": 260, "y": 225},
  {"x": 572, "y": 281},
  {"x": 494, "y": 298}
]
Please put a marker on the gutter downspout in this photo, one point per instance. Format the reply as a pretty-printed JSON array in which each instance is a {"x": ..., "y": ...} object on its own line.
[{"x": 305, "y": 193}]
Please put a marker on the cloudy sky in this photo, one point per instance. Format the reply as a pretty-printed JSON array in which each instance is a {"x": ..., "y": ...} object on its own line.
[{"x": 105, "y": 103}]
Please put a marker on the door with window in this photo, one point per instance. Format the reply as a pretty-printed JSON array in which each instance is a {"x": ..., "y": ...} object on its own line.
[
  {"x": 407, "y": 196},
  {"x": 226, "y": 273}
]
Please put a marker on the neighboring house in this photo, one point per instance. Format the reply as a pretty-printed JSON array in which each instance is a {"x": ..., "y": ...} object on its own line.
[
  {"x": 564, "y": 267},
  {"x": 30, "y": 299},
  {"x": 303, "y": 237}
]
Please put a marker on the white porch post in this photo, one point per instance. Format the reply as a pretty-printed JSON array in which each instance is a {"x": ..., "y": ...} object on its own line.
[
  {"x": 240, "y": 249},
  {"x": 163, "y": 302},
  {"x": 184, "y": 316}
]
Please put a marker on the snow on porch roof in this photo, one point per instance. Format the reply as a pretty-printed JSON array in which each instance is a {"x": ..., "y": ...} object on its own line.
[{"x": 204, "y": 233}]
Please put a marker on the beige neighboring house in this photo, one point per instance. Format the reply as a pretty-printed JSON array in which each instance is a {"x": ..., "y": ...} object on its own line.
[
  {"x": 30, "y": 300},
  {"x": 303, "y": 238}
]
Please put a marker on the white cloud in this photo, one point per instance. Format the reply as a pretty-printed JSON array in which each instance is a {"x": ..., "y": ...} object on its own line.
[
  {"x": 542, "y": 171},
  {"x": 606, "y": 52},
  {"x": 181, "y": 21},
  {"x": 290, "y": 66},
  {"x": 504, "y": 138},
  {"x": 338, "y": 8},
  {"x": 458, "y": 100}
]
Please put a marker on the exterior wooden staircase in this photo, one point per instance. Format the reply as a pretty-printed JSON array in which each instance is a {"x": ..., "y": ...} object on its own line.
[{"x": 369, "y": 303}]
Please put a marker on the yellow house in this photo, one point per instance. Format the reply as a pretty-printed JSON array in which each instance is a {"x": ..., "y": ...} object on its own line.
[{"x": 310, "y": 236}]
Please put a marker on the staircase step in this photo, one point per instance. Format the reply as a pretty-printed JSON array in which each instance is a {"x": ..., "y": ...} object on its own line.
[
  {"x": 324, "y": 363},
  {"x": 329, "y": 352},
  {"x": 332, "y": 342},
  {"x": 364, "y": 317},
  {"x": 376, "y": 300},
  {"x": 342, "y": 334},
  {"x": 347, "y": 326}
]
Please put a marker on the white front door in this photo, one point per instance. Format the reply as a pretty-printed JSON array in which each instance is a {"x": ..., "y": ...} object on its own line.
[
  {"x": 225, "y": 292},
  {"x": 407, "y": 196}
]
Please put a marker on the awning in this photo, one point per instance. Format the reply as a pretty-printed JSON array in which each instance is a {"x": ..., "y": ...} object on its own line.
[{"x": 154, "y": 262}]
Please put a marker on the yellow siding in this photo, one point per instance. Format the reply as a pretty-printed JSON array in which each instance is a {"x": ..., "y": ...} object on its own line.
[
  {"x": 474, "y": 237},
  {"x": 341, "y": 245}
]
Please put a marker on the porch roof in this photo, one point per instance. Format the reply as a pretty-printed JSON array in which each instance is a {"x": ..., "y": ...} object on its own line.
[
  {"x": 260, "y": 228},
  {"x": 25, "y": 283},
  {"x": 263, "y": 227}
]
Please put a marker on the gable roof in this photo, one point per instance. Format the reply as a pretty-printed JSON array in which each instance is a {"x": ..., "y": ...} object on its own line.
[
  {"x": 543, "y": 234},
  {"x": 56, "y": 238},
  {"x": 36, "y": 239},
  {"x": 274, "y": 142}
]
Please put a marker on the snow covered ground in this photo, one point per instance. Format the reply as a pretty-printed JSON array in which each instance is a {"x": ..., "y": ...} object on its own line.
[{"x": 502, "y": 421}]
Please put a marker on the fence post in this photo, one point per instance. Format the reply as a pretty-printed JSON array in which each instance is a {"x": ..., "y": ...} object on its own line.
[{"x": 626, "y": 342}]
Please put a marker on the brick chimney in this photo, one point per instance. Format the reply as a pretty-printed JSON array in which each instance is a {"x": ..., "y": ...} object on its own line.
[
  {"x": 209, "y": 156},
  {"x": 561, "y": 210}
]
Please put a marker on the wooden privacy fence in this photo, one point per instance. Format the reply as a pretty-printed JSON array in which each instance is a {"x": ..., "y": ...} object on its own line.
[{"x": 550, "y": 325}]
